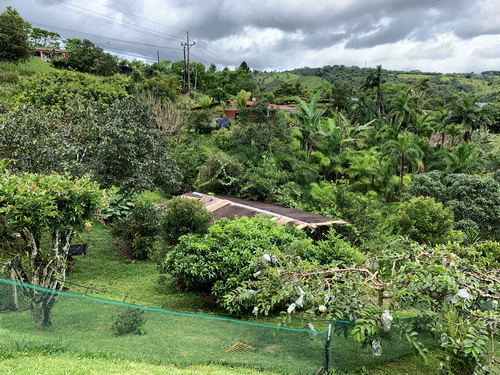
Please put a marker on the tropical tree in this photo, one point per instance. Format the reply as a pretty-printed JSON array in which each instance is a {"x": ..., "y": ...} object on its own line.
[
  {"x": 463, "y": 159},
  {"x": 466, "y": 112},
  {"x": 242, "y": 98},
  {"x": 375, "y": 79},
  {"x": 308, "y": 121},
  {"x": 364, "y": 167},
  {"x": 404, "y": 110},
  {"x": 404, "y": 155},
  {"x": 132, "y": 151},
  {"x": 14, "y": 32},
  {"x": 38, "y": 208}
]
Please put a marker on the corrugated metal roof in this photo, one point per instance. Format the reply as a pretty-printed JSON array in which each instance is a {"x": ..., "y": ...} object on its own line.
[{"x": 230, "y": 207}]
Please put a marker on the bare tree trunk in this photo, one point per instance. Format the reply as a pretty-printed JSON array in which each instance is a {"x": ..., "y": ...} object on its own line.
[{"x": 14, "y": 303}]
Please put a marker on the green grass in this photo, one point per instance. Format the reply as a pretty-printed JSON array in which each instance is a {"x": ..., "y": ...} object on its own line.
[
  {"x": 67, "y": 364},
  {"x": 102, "y": 268}
]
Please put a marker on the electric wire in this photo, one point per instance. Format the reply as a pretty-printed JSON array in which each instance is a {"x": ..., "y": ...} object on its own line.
[{"x": 117, "y": 22}]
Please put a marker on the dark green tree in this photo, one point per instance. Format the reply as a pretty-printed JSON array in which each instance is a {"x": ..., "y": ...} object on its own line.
[
  {"x": 423, "y": 220},
  {"x": 404, "y": 155},
  {"x": 14, "y": 33},
  {"x": 465, "y": 111},
  {"x": 375, "y": 79},
  {"x": 84, "y": 56},
  {"x": 131, "y": 150}
]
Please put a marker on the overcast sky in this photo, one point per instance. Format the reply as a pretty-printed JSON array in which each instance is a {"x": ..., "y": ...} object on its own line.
[{"x": 427, "y": 35}]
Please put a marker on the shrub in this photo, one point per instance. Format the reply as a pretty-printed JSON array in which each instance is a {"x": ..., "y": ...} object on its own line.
[
  {"x": 484, "y": 254},
  {"x": 138, "y": 230},
  {"x": 423, "y": 220},
  {"x": 221, "y": 174},
  {"x": 228, "y": 254},
  {"x": 335, "y": 249},
  {"x": 183, "y": 216},
  {"x": 129, "y": 321}
]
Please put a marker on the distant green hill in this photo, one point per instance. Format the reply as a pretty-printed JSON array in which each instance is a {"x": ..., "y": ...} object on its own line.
[{"x": 485, "y": 85}]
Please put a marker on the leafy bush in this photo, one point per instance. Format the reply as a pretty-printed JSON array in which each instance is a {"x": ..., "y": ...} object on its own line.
[
  {"x": 129, "y": 321},
  {"x": 119, "y": 205},
  {"x": 59, "y": 89},
  {"x": 484, "y": 254},
  {"x": 423, "y": 220},
  {"x": 220, "y": 174},
  {"x": 263, "y": 182},
  {"x": 229, "y": 253},
  {"x": 183, "y": 216},
  {"x": 138, "y": 230},
  {"x": 334, "y": 249}
]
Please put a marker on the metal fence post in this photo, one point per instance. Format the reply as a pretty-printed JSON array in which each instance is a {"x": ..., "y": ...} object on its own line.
[{"x": 327, "y": 346}]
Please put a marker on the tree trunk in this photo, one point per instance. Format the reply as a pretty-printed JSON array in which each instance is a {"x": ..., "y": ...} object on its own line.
[
  {"x": 40, "y": 308},
  {"x": 401, "y": 176},
  {"x": 14, "y": 302}
]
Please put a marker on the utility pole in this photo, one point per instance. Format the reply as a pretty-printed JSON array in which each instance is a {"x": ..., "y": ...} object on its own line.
[
  {"x": 187, "y": 47},
  {"x": 185, "y": 68}
]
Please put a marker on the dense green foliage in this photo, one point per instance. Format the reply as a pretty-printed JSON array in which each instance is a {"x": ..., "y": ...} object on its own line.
[
  {"x": 14, "y": 32},
  {"x": 33, "y": 207},
  {"x": 84, "y": 56},
  {"x": 183, "y": 216},
  {"x": 424, "y": 221},
  {"x": 409, "y": 160},
  {"x": 60, "y": 90},
  {"x": 138, "y": 230},
  {"x": 228, "y": 254}
]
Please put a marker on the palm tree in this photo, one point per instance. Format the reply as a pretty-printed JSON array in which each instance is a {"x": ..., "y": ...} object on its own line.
[
  {"x": 463, "y": 159},
  {"x": 308, "y": 121},
  {"x": 404, "y": 110},
  {"x": 404, "y": 154},
  {"x": 466, "y": 112},
  {"x": 374, "y": 79},
  {"x": 242, "y": 98}
]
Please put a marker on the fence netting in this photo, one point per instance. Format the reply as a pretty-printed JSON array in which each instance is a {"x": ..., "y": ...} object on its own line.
[{"x": 86, "y": 325}]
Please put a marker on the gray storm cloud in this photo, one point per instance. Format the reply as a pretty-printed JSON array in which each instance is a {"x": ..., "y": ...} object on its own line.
[{"x": 267, "y": 32}]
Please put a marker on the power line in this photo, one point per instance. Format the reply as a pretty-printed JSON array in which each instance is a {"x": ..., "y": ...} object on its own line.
[
  {"x": 109, "y": 20},
  {"x": 134, "y": 27},
  {"x": 136, "y": 16},
  {"x": 104, "y": 37}
]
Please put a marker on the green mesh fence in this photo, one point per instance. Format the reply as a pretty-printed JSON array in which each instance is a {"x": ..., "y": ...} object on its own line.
[{"x": 82, "y": 324}]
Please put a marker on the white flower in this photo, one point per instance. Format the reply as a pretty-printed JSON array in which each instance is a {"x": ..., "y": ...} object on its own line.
[
  {"x": 463, "y": 293},
  {"x": 376, "y": 348},
  {"x": 267, "y": 258},
  {"x": 326, "y": 298},
  {"x": 322, "y": 308},
  {"x": 386, "y": 320},
  {"x": 291, "y": 308},
  {"x": 301, "y": 291},
  {"x": 256, "y": 274},
  {"x": 311, "y": 327},
  {"x": 255, "y": 311},
  {"x": 300, "y": 301}
]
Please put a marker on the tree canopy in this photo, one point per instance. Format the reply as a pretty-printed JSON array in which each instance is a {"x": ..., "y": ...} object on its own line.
[{"x": 14, "y": 33}]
